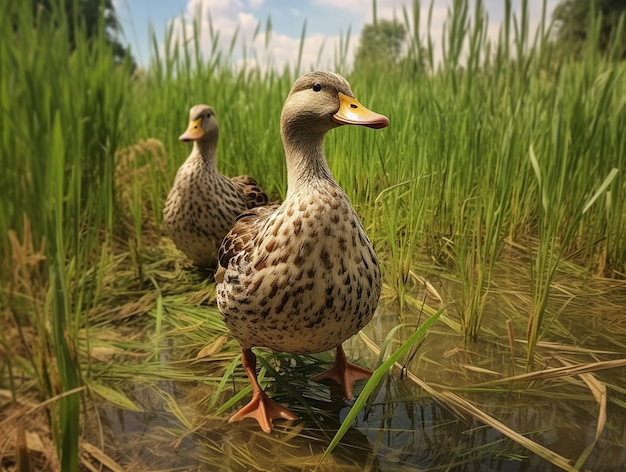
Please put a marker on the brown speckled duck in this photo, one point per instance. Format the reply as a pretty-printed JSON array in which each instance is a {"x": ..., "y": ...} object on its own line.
[
  {"x": 302, "y": 277},
  {"x": 203, "y": 204}
]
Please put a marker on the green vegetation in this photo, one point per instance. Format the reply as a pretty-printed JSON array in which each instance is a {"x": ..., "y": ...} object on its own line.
[
  {"x": 82, "y": 19},
  {"x": 573, "y": 17},
  {"x": 380, "y": 46},
  {"x": 500, "y": 182}
]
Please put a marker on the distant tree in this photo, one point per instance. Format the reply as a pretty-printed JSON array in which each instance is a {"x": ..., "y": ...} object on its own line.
[
  {"x": 572, "y": 22},
  {"x": 88, "y": 14},
  {"x": 380, "y": 45}
]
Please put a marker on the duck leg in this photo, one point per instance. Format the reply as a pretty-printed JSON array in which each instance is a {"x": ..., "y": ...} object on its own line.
[
  {"x": 261, "y": 407},
  {"x": 344, "y": 373}
]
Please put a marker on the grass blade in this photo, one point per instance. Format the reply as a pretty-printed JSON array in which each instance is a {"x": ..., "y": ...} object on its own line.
[{"x": 379, "y": 374}]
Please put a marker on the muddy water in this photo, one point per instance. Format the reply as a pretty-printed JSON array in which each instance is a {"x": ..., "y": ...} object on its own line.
[{"x": 403, "y": 428}]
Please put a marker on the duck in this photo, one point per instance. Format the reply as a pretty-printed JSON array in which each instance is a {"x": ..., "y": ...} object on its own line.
[
  {"x": 302, "y": 276},
  {"x": 203, "y": 204}
]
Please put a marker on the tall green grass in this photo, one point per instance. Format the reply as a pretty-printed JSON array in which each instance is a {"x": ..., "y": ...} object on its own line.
[
  {"x": 503, "y": 144},
  {"x": 475, "y": 119},
  {"x": 61, "y": 126}
]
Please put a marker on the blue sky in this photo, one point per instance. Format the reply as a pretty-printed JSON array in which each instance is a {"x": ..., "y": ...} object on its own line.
[{"x": 326, "y": 21}]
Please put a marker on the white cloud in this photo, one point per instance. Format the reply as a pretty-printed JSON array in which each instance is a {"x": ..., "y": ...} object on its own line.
[
  {"x": 225, "y": 17},
  {"x": 230, "y": 17},
  {"x": 353, "y": 5}
]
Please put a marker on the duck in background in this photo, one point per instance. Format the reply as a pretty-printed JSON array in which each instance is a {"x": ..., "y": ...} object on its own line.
[{"x": 203, "y": 204}]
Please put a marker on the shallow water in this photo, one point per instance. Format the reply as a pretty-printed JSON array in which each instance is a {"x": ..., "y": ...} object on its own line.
[{"x": 404, "y": 428}]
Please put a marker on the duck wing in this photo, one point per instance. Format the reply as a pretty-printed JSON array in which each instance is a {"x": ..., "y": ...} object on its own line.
[
  {"x": 253, "y": 194},
  {"x": 241, "y": 236}
]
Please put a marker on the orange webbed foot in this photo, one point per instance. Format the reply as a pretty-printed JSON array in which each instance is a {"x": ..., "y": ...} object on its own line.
[{"x": 262, "y": 408}]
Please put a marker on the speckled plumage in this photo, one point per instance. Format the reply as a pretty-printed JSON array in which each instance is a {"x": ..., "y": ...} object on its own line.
[
  {"x": 308, "y": 269},
  {"x": 302, "y": 277},
  {"x": 203, "y": 204}
]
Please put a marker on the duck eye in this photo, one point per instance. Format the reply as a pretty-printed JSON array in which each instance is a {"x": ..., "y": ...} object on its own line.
[{"x": 317, "y": 87}]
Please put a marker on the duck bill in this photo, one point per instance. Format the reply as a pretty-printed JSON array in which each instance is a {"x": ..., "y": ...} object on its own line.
[
  {"x": 194, "y": 131},
  {"x": 351, "y": 112}
]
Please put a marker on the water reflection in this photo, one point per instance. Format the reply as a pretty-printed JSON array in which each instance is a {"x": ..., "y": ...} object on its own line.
[{"x": 403, "y": 428}]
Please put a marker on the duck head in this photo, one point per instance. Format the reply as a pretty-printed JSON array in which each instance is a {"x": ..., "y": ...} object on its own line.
[
  {"x": 202, "y": 125},
  {"x": 320, "y": 101}
]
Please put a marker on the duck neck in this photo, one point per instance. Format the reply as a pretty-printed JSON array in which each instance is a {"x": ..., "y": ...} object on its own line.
[
  {"x": 207, "y": 153},
  {"x": 306, "y": 163}
]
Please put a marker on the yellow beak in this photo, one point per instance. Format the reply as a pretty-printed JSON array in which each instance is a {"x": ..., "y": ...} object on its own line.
[
  {"x": 194, "y": 131},
  {"x": 351, "y": 112}
]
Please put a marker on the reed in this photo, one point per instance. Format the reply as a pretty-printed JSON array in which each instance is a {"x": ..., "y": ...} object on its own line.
[{"x": 61, "y": 130}]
